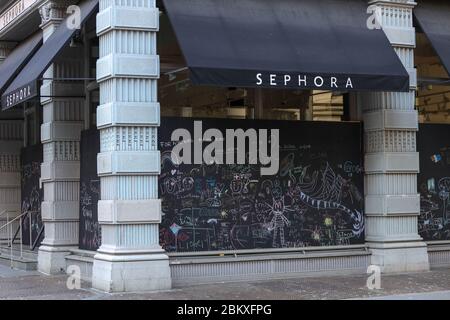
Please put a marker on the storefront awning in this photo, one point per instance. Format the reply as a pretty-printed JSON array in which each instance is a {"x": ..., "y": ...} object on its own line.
[
  {"x": 315, "y": 44},
  {"x": 25, "y": 85},
  {"x": 433, "y": 17},
  {"x": 17, "y": 59}
]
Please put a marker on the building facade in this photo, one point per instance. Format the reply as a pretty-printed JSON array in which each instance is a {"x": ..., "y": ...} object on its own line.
[{"x": 107, "y": 77}]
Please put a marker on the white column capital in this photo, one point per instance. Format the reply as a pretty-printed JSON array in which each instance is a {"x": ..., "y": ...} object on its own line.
[
  {"x": 53, "y": 12},
  {"x": 400, "y": 3}
]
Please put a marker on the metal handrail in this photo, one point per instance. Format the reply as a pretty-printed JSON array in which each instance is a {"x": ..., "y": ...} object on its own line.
[
  {"x": 11, "y": 221},
  {"x": 36, "y": 241},
  {"x": 19, "y": 230},
  {"x": 8, "y": 224},
  {"x": 7, "y": 211}
]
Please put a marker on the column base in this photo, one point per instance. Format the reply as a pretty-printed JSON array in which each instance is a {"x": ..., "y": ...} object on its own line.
[
  {"x": 400, "y": 256},
  {"x": 131, "y": 273},
  {"x": 51, "y": 260}
]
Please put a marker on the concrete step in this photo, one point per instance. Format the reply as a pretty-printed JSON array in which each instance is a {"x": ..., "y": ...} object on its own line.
[
  {"x": 26, "y": 252},
  {"x": 439, "y": 253},
  {"x": 17, "y": 262},
  {"x": 25, "y": 261},
  {"x": 83, "y": 259}
]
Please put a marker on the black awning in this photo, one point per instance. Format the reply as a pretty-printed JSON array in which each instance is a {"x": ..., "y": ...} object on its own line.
[
  {"x": 318, "y": 44},
  {"x": 17, "y": 59},
  {"x": 25, "y": 85},
  {"x": 433, "y": 17}
]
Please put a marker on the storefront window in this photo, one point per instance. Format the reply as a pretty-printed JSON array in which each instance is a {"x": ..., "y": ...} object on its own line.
[
  {"x": 433, "y": 93},
  {"x": 179, "y": 97},
  {"x": 433, "y": 145},
  {"x": 315, "y": 199}
]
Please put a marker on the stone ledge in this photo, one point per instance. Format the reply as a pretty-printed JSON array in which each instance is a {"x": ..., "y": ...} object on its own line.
[
  {"x": 61, "y": 131},
  {"x": 129, "y": 211},
  {"x": 391, "y": 162},
  {"x": 386, "y": 119},
  {"x": 439, "y": 253},
  {"x": 128, "y": 66},
  {"x": 401, "y": 37},
  {"x": 128, "y": 113},
  {"x": 128, "y": 162},
  {"x": 126, "y": 18},
  {"x": 60, "y": 210},
  {"x": 53, "y": 91},
  {"x": 60, "y": 171},
  {"x": 192, "y": 268},
  {"x": 392, "y": 204}
]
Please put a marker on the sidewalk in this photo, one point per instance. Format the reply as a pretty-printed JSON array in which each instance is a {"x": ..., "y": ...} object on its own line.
[{"x": 435, "y": 284}]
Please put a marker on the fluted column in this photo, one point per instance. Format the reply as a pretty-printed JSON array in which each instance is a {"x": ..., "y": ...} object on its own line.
[
  {"x": 130, "y": 257},
  {"x": 60, "y": 136},
  {"x": 11, "y": 140},
  {"x": 391, "y": 160}
]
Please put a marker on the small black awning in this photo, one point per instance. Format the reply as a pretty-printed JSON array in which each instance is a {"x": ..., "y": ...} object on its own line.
[
  {"x": 314, "y": 44},
  {"x": 25, "y": 85},
  {"x": 17, "y": 59},
  {"x": 433, "y": 16}
]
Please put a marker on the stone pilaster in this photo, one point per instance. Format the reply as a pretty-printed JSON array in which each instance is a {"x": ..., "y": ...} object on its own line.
[
  {"x": 130, "y": 257},
  {"x": 391, "y": 158},
  {"x": 11, "y": 140},
  {"x": 60, "y": 137}
]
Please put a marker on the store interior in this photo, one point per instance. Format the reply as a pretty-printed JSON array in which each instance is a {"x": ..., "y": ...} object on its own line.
[{"x": 433, "y": 90}]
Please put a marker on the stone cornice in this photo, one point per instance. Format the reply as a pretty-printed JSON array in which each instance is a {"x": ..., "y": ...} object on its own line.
[{"x": 20, "y": 17}]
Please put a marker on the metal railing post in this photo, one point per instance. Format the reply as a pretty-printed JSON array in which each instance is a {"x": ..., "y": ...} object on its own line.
[
  {"x": 10, "y": 241},
  {"x": 9, "y": 230},
  {"x": 31, "y": 233},
  {"x": 21, "y": 239}
]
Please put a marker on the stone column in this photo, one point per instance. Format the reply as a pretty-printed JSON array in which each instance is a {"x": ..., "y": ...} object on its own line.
[
  {"x": 60, "y": 136},
  {"x": 391, "y": 159},
  {"x": 130, "y": 257},
  {"x": 11, "y": 140}
]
